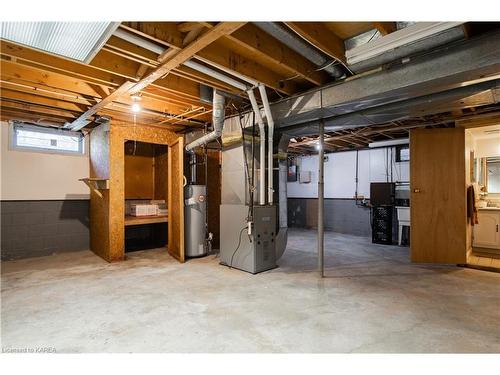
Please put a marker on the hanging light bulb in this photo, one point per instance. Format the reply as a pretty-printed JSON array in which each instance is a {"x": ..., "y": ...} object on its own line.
[{"x": 136, "y": 108}]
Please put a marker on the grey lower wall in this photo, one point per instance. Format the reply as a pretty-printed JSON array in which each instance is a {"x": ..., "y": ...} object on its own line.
[
  {"x": 341, "y": 215},
  {"x": 37, "y": 228}
]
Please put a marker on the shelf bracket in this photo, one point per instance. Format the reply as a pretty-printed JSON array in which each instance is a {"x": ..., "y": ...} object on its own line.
[{"x": 96, "y": 184}]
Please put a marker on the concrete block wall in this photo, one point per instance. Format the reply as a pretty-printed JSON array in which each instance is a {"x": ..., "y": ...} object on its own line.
[
  {"x": 38, "y": 228},
  {"x": 341, "y": 215}
]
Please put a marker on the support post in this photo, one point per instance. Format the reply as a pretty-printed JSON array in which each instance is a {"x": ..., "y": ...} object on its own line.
[{"x": 321, "y": 199}]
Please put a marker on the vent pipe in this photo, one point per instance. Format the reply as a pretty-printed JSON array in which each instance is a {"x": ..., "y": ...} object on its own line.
[
  {"x": 262, "y": 148},
  {"x": 303, "y": 48},
  {"x": 270, "y": 137},
  {"x": 217, "y": 122}
]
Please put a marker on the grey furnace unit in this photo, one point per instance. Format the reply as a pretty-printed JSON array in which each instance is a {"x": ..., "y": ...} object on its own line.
[{"x": 255, "y": 253}]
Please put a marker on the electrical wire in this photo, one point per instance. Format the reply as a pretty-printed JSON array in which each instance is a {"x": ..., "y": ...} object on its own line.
[{"x": 237, "y": 247}]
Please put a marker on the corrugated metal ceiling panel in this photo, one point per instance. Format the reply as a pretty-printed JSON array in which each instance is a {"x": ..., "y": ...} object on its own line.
[{"x": 76, "y": 40}]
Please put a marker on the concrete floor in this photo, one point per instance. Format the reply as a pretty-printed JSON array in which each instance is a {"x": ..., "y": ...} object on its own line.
[{"x": 373, "y": 300}]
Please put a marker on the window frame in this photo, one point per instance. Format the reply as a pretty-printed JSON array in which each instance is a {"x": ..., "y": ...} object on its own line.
[{"x": 14, "y": 146}]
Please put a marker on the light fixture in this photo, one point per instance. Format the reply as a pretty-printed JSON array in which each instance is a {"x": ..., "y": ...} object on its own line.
[
  {"x": 76, "y": 40},
  {"x": 318, "y": 146},
  {"x": 136, "y": 107}
]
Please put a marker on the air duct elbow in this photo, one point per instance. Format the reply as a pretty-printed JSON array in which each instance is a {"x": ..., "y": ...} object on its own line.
[{"x": 217, "y": 123}]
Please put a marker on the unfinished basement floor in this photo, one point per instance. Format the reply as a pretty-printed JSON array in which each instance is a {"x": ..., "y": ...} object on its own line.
[{"x": 373, "y": 300}]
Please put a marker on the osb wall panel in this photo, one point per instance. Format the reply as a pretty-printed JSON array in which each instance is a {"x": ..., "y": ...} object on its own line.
[
  {"x": 119, "y": 133},
  {"x": 161, "y": 173},
  {"x": 176, "y": 200},
  {"x": 139, "y": 170},
  {"x": 99, "y": 206}
]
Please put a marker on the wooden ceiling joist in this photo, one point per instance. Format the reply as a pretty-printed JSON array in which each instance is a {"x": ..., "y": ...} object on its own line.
[
  {"x": 128, "y": 87},
  {"x": 319, "y": 36},
  {"x": 223, "y": 52},
  {"x": 270, "y": 51}
]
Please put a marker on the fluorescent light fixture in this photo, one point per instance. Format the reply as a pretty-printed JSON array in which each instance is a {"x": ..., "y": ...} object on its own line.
[
  {"x": 399, "y": 38},
  {"x": 75, "y": 40},
  {"x": 393, "y": 142}
]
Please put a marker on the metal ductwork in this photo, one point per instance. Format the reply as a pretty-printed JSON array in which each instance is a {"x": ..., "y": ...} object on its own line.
[
  {"x": 303, "y": 48},
  {"x": 217, "y": 122}
]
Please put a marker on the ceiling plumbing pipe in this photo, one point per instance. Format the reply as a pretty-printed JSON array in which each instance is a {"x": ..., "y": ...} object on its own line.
[
  {"x": 270, "y": 137},
  {"x": 217, "y": 122},
  {"x": 218, "y": 108},
  {"x": 139, "y": 41},
  {"x": 153, "y": 47},
  {"x": 262, "y": 148},
  {"x": 303, "y": 48},
  {"x": 214, "y": 74},
  {"x": 229, "y": 71}
]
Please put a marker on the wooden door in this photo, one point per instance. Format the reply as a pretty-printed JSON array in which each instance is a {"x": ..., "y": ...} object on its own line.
[
  {"x": 176, "y": 199},
  {"x": 438, "y": 196}
]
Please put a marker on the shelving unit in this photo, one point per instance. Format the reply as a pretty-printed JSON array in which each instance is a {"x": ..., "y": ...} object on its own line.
[
  {"x": 143, "y": 220},
  {"x": 128, "y": 176}
]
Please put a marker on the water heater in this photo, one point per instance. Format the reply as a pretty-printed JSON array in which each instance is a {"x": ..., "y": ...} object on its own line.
[{"x": 195, "y": 207}]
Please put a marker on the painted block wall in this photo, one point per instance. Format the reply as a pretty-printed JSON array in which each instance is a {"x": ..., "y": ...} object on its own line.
[
  {"x": 341, "y": 212},
  {"x": 340, "y": 173},
  {"x": 44, "y": 209}
]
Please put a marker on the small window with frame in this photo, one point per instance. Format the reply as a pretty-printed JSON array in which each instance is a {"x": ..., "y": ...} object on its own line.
[
  {"x": 402, "y": 153},
  {"x": 26, "y": 137}
]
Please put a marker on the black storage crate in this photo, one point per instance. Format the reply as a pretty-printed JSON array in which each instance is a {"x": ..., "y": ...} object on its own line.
[{"x": 382, "y": 224}]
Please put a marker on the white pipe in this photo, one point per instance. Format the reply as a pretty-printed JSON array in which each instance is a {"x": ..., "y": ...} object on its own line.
[
  {"x": 262, "y": 149},
  {"x": 137, "y": 40},
  {"x": 215, "y": 74},
  {"x": 270, "y": 136},
  {"x": 146, "y": 44},
  {"x": 392, "y": 142},
  {"x": 243, "y": 77}
]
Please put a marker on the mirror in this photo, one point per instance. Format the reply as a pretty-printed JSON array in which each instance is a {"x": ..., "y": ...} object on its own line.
[
  {"x": 487, "y": 173},
  {"x": 493, "y": 175}
]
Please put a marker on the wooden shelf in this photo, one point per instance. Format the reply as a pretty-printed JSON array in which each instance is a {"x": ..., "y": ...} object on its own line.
[{"x": 141, "y": 220}]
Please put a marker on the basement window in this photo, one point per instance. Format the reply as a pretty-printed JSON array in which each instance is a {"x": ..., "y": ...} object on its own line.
[
  {"x": 27, "y": 137},
  {"x": 402, "y": 153}
]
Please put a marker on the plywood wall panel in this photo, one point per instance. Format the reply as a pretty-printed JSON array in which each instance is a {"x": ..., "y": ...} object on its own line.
[
  {"x": 108, "y": 236},
  {"x": 161, "y": 173},
  {"x": 99, "y": 205},
  {"x": 176, "y": 200},
  {"x": 139, "y": 170}
]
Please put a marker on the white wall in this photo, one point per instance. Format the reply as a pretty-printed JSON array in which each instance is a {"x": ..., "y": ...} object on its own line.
[
  {"x": 340, "y": 173},
  {"x": 40, "y": 176},
  {"x": 487, "y": 147}
]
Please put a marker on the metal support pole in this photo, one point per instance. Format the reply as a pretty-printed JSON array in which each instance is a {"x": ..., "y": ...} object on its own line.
[{"x": 321, "y": 200}]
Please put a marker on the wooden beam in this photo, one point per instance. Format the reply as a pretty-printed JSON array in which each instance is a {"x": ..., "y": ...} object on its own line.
[
  {"x": 218, "y": 52},
  {"x": 476, "y": 121},
  {"x": 385, "y": 28},
  {"x": 318, "y": 35},
  {"x": 222, "y": 28},
  {"x": 27, "y": 97},
  {"x": 181, "y": 56},
  {"x": 82, "y": 121},
  {"x": 269, "y": 50},
  {"x": 27, "y": 56},
  {"x": 91, "y": 74}
]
